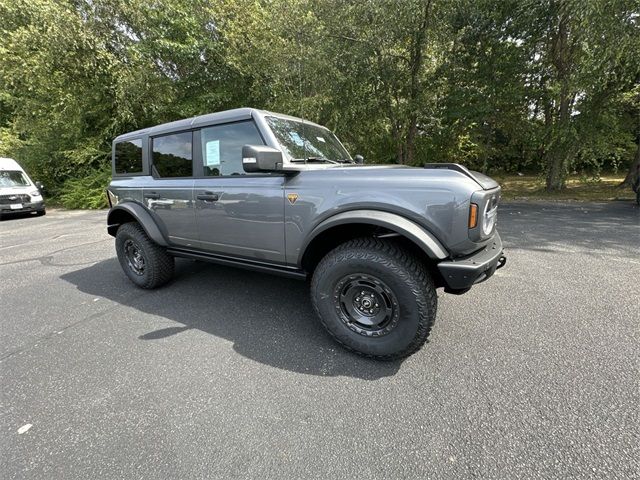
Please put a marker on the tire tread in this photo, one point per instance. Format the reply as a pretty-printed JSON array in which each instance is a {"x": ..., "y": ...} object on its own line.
[
  {"x": 403, "y": 263},
  {"x": 160, "y": 264}
]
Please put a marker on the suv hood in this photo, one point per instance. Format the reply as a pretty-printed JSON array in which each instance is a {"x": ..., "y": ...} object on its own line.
[
  {"x": 17, "y": 190},
  {"x": 487, "y": 183}
]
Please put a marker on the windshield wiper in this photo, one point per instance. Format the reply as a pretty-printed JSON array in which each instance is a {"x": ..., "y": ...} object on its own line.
[{"x": 313, "y": 160}]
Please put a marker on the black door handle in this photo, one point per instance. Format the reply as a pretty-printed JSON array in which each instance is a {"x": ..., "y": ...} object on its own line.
[
  {"x": 208, "y": 197},
  {"x": 152, "y": 195}
]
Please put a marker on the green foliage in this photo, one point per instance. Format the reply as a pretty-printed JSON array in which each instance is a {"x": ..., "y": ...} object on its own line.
[
  {"x": 499, "y": 85},
  {"x": 87, "y": 191}
]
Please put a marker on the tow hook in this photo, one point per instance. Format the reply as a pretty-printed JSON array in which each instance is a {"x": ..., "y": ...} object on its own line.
[{"x": 502, "y": 261}]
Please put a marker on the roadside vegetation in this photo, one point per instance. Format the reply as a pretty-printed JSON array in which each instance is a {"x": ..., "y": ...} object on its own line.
[
  {"x": 577, "y": 188},
  {"x": 502, "y": 86}
]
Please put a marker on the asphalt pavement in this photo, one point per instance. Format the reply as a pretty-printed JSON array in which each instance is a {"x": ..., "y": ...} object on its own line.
[{"x": 226, "y": 373}]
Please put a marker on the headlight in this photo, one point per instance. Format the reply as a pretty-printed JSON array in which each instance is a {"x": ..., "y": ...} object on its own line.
[
  {"x": 489, "y": 217},
  {"x": 35, "y": 195}
]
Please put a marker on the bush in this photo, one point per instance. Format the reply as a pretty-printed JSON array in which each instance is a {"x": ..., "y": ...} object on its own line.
[{"x": 88, "y": 191}]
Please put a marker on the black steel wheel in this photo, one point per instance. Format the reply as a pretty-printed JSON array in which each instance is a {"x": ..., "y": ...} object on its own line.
[
  {"x": 133, "y": 255},
  {"x": 366, "y": 304},
  {"x": 145, "y": 263},
  {"x": 375, "y": 298}
]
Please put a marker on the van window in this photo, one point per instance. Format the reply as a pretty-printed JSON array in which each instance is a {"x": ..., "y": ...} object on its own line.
[
  {"x": 172, "y": 155},
  {"x": 128, "y": 157},
  {"x": 13, "y": 178},
  {"x": 222, "y": 147}
]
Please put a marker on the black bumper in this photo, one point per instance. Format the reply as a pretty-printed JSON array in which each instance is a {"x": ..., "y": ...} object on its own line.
[
  {"x": 461, "y": 274},
  {"x": 25, "y": 208}
]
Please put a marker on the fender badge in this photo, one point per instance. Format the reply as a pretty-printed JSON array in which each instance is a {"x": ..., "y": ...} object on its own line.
[{"x": 293, "y": 197}]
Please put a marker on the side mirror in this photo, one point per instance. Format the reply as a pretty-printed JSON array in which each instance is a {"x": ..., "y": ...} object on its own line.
[
  {"x": 40, "y": 187},
  {"x": 260, "y": 158},
  {"x": 359, "y": 159}
]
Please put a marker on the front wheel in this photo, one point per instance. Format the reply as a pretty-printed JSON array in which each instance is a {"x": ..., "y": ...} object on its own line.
[
  {"x": 146, "y": 263},
  {"x": 375, "y": 298}
]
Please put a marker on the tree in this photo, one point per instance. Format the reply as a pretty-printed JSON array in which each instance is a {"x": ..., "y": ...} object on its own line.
[
  {"x": 632, "y": 103},
  {"x": 545, "y": 85},
  {"x": 583, "y": 54}
]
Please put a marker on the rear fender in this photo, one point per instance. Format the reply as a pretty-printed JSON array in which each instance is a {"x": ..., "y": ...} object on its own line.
[{"x": 125, "y": 212}]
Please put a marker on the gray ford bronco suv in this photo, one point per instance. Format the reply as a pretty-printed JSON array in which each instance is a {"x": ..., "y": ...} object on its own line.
[{"x": 279, "y": 194}]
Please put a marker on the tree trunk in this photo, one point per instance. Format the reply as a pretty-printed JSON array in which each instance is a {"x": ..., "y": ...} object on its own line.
[
  {"x": 397, "y": 137},
  {"x": 557, "y": 154},
  {"x": 634, "y": 170},
  {"x": 419, "y": 40},
  {"x": 411, "y": 140}
]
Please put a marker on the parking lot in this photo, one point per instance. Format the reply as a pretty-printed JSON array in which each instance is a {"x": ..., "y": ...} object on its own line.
[{"x": 227, "y": 373}]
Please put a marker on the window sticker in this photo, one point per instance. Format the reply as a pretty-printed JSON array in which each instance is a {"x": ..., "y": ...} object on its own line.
[
  {"x": 296, "y": 138},
  {"x": 212, "y": 154},
  {"x": 321, "y": 139}
]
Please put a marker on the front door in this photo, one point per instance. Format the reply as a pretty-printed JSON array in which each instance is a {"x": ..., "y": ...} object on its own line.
[{"x": 238, "y": 214}]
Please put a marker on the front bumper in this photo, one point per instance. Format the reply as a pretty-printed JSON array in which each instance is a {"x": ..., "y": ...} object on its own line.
[
  {"x": 461, "y": 274},
  {"x": 24, "y": 208}
]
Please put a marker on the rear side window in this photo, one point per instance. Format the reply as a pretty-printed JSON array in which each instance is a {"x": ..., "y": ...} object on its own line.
[
  {"x": 173, "y": 155},
  {"x": 128, "y": 157},
  {"x": 222, "y": 147}
]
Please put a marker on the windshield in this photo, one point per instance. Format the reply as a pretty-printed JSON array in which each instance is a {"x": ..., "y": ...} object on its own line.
[
  {"x": 302, "y": 141},
  {"x": 13, "y": 178}
]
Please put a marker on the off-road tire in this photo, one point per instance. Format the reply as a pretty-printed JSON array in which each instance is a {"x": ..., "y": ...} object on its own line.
[
  {"x": 158, "y": 264},
  {"x": 40, "y": 213},
  {"x": 404, "y": 274}
]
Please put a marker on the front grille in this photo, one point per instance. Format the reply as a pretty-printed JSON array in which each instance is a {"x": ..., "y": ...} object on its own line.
[{"x": 14, "y": 198}]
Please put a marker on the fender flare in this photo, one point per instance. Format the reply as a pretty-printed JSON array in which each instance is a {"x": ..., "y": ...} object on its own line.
[
  {"x": 142, "y": 216},
  {"x": 421, "y": 237}
]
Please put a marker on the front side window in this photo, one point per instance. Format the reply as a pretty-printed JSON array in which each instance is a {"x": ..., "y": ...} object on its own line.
[
  {"x": 13, "y": 178},
  {"x": 128, "y": 157},
  {"x": 173, "y": 155},
  {"x": 301, "y": 141},
  {"x": 222, "y": 147}
]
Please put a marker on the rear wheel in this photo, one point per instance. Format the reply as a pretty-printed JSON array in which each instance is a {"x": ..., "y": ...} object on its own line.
[
  {"x": 375, "y": 298},
  {"x": 145, "y": 263}
]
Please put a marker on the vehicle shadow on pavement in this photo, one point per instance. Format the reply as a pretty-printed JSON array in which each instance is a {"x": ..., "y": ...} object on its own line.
[{"x": 269, "y": 319}]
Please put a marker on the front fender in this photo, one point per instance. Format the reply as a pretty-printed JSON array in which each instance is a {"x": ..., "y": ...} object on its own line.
[
  {"x": 123, "y": 213},
  {"x": 396, "y": 223}
]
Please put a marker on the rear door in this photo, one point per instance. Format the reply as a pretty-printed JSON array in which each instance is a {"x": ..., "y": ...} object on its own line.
[
  {"x": 169, "y": 194},
  {"x": 238, "y": 214}
]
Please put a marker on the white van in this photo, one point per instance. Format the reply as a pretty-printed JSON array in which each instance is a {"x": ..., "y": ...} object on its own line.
[{"x": 18, "y": 193}]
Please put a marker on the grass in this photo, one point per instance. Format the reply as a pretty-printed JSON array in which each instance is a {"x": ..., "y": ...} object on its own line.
[{"x": 532, "y": 187}]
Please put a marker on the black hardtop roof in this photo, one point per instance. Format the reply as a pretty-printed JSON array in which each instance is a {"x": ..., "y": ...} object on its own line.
[
  {"x": 219, "y": 117},
  {"x": 234, "y": 115}
]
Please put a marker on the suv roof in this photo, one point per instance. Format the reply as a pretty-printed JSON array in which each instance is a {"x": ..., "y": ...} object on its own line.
[{"x": 234, "y": 115}]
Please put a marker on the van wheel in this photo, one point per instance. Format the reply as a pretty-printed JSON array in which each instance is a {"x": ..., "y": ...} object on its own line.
[
  {"x": 375, "y": 298},
  {"x": 146, "y": 263}
]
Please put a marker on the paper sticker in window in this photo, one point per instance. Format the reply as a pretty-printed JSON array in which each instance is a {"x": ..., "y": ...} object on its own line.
[{"x": 212, "y": 154}]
